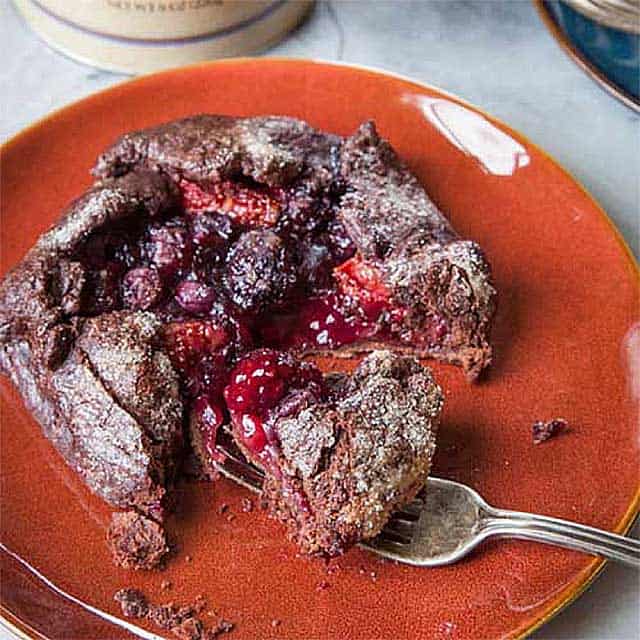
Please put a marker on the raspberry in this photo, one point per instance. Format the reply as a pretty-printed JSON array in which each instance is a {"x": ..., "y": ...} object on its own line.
[
  {"x": 257, "y": 385},
  {"x": 361, "y": 282}
]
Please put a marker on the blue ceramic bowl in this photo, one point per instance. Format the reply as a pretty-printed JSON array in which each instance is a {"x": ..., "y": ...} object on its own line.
[{"x": 613, "y": 53}]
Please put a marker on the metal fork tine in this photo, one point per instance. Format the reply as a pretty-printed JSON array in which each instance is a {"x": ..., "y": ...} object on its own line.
[
  {"x": 406, "y": 516},
  {"x": 410, "y": 513},
  {"x": 398, "y": 527},
  {"x": 389, "y": 537},
  {"x": 240, "y": 471},
  {"x": 387, "y": 547}
]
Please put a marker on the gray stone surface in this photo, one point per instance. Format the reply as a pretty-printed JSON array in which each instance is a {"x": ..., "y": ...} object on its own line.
[{"x": 495, "y": 54}]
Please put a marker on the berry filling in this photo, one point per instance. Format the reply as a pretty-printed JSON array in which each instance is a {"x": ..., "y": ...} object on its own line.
[
  {"x": 237, "y": 264},
  {"x": 250, "y": 205},
  {"x": 257, "y": 385},
  {"x": 263, "y": 386}
]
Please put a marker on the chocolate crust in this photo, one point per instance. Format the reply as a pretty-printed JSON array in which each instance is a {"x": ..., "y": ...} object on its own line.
[
  {"x": 428, "y": 268},
  {"x": 136, "y": 542},
  {"x": 273, "y": 150},
  {"x": 101, "y": 387}
]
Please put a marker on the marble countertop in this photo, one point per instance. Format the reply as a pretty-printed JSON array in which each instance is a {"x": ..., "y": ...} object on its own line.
[{"x": 495, "y": 54}]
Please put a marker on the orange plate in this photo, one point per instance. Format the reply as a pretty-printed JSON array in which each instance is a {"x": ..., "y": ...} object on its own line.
[{"x": 566, "y": 334}]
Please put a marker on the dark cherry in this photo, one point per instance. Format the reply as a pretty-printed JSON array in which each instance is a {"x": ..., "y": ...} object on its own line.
[
  {"x": 211, "y": 230},
  {"x": 207, "y": 266},
  {"x": 141, "y": 288},
  {"x": 169, "y": 247},
  {"x": 195, "y": 297},
  {"x": 304, "y": 213},
  {"x": 260, "y": 271}
]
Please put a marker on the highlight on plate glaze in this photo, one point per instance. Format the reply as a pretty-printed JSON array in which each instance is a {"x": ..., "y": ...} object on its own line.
[
  {"x": 631, "y": 356},
  {"x": 498, "y": 153}
]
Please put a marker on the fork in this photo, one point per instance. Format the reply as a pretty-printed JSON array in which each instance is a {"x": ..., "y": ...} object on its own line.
[{"x": 448, "y": 520}]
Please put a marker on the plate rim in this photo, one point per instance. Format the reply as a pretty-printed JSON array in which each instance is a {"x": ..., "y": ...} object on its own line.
[{"x": 594, "y": 569}]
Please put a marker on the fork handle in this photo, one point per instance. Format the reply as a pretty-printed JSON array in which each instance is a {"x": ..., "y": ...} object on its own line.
[{"x": 528, "y": 526}]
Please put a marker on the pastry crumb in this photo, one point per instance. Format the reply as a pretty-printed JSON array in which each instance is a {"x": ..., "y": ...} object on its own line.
[
  {"x": 542, "y": 431},
  {"x": 183, "y": 622},
  {"x": 224, "y": 626},
  {"x": 132, "y": 602},
  {"x": 136, "y": 542}
]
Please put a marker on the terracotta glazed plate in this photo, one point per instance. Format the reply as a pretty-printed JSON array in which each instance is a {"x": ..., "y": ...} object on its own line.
[{"x": 566, "y": 336}]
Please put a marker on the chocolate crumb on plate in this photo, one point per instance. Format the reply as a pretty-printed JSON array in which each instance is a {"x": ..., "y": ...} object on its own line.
[
  {"x": 182, "y": 621},
  {"x": 136, "y": 542},
  {"x": 224, "y": 626},
  {"x": 189, "y": 629},
  {"x": 133, "y": 603},
  {"x": 542, "y": 431}
]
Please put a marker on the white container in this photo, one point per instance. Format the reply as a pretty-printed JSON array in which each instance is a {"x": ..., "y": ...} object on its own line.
[{"x": 136, "y": 36}]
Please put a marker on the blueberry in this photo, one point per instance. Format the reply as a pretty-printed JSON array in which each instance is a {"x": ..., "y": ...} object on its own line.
[
  {"x": 195, "y": 297},
  {"x": 141, "y": 288}
]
